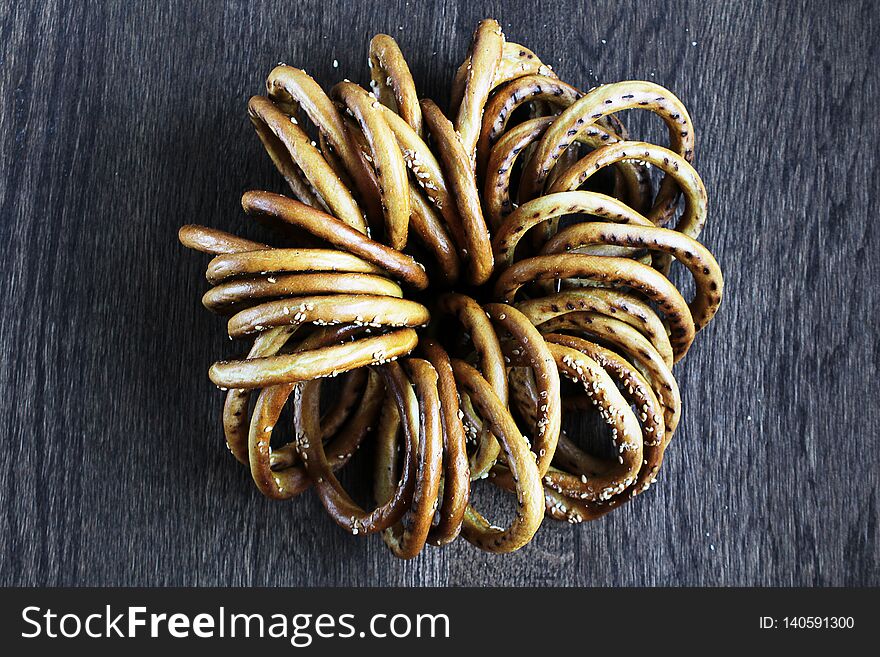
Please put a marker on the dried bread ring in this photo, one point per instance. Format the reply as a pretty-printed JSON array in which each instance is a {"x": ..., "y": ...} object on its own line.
[
  {"x": 234, "y": 293},
  {"x": 527, "y": 89},
  {"x": 483, "y": 60},
  {"x": 614, "y": 303},
  {"x": 315, "y": 363},
  {"x": 345, "y": 511},
  {"x": 626, "y": 433},
  {"x": 693, "y": 255},
  {"x": 215, "y": 242},
  {"x": 552, "y": 206},
  {"x": 602, "y": 102},
  {"x": 240, "y": 263},
  {"x": 520, "y": 460},
  {"x": 456, "y": 469},
  {"x": 674, "y": 165},
  {"x": 527, "y": 345},
  {"x": 610, "y": 272},
  {"x": 385, "y": 157},
  {"x": 292, "y": 90},
  {"x": 476, "y": 248},
  {"x": 491, "y": 361},
  {"x": 635, "y": 347},
  {"x": 309, "y": 175},
  {"x": 408, "y": 537},
  {"x": 392, "y": 82},
  {"x": 337, "y": 233}
]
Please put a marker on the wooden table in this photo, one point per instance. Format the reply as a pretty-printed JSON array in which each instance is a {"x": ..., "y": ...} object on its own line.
[{"x": 119, "y": 123}]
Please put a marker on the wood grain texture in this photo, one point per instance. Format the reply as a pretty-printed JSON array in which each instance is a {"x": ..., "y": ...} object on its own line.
[{"x": 120, "y": 121}]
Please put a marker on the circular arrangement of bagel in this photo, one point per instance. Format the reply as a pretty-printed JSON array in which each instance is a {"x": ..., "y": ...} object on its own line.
[{"x": 470, "y": 280}]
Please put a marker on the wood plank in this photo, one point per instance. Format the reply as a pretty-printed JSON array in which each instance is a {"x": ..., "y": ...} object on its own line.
[{"x": 121, "y": 122}]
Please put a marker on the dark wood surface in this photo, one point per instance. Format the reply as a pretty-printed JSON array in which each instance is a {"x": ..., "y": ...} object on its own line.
[{"x": 121, "y": 121}]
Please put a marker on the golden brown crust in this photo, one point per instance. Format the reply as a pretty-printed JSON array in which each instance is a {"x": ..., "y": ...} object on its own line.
[
  {"x": 476, "y": 249},
  {"x": 336, "y": 501},
  {"x": 520, "y": 461},
  {"x": 233, "y": 293},
  {"x": 619, "y": 273},
  {"x": 337, "y": 233},
  {"x": 483, "y": 59},
  {"x": 514, "y": 94},
  {"x": 385, "y": 157},
  {"x": 408, "y": 537},
  {"x": 215, "y": 242},
  {"x": 392, "y": 82},
  {"x": 527, "y": 346},
  {"x": 456, "y": 469},
  {"x": 693, "y": 255},
  {"x": 313, "y": 364},
  {"x": 310, "y": 177},
  {"x": 553, "y": 206},
  {"x": 487, "y": 348},
  {"x": 602, "y": 102}
]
